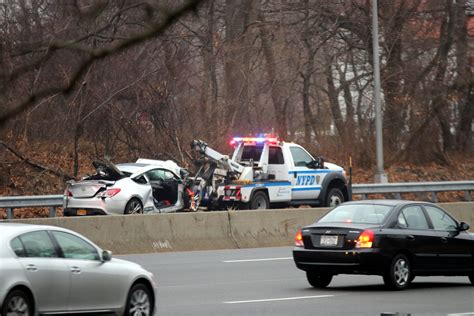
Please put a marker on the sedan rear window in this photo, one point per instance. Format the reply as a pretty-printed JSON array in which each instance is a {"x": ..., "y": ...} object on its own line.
[{"x": 357, "y": 213}]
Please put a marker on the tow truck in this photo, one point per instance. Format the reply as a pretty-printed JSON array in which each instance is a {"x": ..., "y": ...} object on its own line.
[{"x": 266, "y": 172}]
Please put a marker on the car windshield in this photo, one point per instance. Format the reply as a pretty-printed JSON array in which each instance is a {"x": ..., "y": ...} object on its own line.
[{"x": 357, "y": 213}]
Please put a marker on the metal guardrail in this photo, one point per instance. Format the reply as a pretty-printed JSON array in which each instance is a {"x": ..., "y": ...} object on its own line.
[
  {"x": 11, "y": 202},
  {"x": 414, "y": 187},
  {"x": 394, "y": 189}
]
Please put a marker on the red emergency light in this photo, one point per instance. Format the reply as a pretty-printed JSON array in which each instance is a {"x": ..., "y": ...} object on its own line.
[{"x": 255, "y": 140}]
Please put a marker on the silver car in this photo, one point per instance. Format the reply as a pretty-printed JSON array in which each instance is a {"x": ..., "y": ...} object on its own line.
[
  {"x": 49, "y": 270},
  {"x": 130, "y": 188}
]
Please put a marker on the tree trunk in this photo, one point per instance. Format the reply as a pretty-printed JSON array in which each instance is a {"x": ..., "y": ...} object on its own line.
[{"x": 275, "y": 84}]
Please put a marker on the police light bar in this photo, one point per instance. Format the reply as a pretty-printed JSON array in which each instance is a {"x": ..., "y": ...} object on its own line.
[{"x": 258, "y": 140}]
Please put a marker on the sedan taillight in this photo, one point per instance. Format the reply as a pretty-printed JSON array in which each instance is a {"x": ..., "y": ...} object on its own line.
[
  {"x": 299, "y": 239},
  {"x": 109, "y": 193},
  {"x": 365, "y": 239}
]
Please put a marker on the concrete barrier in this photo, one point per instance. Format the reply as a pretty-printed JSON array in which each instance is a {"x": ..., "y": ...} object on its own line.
[{"x": 204, "y": 230}]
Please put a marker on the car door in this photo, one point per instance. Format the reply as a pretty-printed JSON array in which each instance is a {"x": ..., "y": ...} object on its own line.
[
  {"x": 305, "y": 184},
  {"x": 455, "y": 247},
  {"x": 47, "y": 274},
  {"x": 144, "y": 189},
  {"x": 93, "y": 285},
  {"x": 418, "y": 238}
]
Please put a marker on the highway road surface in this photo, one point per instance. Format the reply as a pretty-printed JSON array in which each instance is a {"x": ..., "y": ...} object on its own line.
[{"x": 265, "y": 281}]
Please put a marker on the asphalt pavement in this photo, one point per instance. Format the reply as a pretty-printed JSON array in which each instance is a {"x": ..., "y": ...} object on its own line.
[{"x": 265, "y": 281}]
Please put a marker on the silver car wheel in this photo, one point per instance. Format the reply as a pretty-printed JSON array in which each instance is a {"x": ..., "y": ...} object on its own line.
[
  {"x": 17, "y": 306},
  {"x": 139, "y": 304},
  {"x": 401, "y": 271},
  {"x": 134, "y": 206}
]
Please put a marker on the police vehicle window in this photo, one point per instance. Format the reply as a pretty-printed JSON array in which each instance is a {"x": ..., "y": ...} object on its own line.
[
  {"x": 415, "y": 218},
  {"x": 440, "y": 220},
  {"x": 275, "y": 156},
  {"x": 38, "y": 244},
  {"x": 156, "y": 175},
  {"x": 17, "y": 247},
  {"x": 251, "y": 153},
  {"x": 300, "y": 157},
  {"x": 74, "y": 247}
]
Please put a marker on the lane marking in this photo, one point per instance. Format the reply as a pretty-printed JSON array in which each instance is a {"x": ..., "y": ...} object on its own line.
[
  {"x": 459, "y": 314},
  {"x": 256, "y": 260},
  {"x": 278, "y": 299}
]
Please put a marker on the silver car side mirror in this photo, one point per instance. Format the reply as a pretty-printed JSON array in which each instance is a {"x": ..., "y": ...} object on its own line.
[{"x": 106, "y": 255}]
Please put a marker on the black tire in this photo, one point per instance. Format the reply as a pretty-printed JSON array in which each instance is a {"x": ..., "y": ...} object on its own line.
[
  {"x": 134, "y": 206},
  {"x": 139, "y": 299},
  {"x": 259, "y": 201},
  {"x": 398, "y": 275},
  {"x": 18, "y": 303},
  {"x": 334, "y": 197},
  {"x": 318, "y": 280}
]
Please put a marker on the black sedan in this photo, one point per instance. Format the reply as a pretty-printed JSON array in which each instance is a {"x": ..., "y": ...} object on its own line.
[{"x": 395, "y": 239}]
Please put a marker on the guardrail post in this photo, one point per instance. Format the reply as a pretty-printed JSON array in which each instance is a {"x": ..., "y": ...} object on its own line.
[
  {"x": 52, "y": 211},
  {"x": 434, "y": 197},
  {"x": 364, "y": 196},
  {"x": 467, "y": 196},
  {"x": 9, "y": 213},
  {"x": 398, "y": 196}
]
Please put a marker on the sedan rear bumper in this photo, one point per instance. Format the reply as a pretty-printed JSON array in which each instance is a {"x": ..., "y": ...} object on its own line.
[
  {"x": 359, "y": 261},
  {"x": 95, "y": 206}
]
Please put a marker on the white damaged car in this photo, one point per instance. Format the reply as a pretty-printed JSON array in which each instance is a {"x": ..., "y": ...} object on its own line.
[{"x": 145, "y": 186}]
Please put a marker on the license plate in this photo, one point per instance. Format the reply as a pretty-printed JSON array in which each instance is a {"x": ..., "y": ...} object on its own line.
[
  {"x": 328, "y": 241},
  {"x": 81, "y": 212}
]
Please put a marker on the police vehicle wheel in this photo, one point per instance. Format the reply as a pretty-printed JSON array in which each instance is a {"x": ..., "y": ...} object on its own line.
[
  {"x": 259, "y": 201},
  {"x": 334, "y": 197}
]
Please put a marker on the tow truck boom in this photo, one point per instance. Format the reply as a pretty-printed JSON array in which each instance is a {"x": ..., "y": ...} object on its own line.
[{"x": 222, "y": 160}]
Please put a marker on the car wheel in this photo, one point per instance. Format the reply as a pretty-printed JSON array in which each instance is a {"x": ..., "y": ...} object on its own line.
[
  {"x": 139, "y": 301},
  {"x": 259, "y": 201},
  {"x": 398, "y": 275},
  {"x": 134, "y": 206},
  {"x": 17, "y": 303},
  {"x": 318, "y": 280},
  {"x": 334, "y": 197}
]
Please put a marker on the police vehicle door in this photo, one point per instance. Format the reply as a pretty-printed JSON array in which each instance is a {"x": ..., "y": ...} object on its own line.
[{"x": 305, "y": 184}]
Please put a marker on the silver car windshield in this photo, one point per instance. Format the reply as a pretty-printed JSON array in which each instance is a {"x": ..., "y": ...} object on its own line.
[{"x": 357, "y": 213}]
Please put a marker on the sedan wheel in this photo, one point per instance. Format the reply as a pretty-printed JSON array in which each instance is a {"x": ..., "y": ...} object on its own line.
[
  {"x": 139, "y": 302},
  {"x": 398, "y": 276},
  {"x": 17, "y": 303},
  {"x": 134, "y": 206},
  {"x": 318, "y": 280}
]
